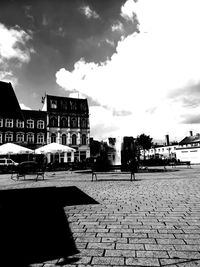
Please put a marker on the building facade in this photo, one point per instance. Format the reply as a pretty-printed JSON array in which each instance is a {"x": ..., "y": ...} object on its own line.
[
  {"x": 68, "y": 124},
  {"x": 62, "y": 120},
  {"x": 189, "y": 149}
]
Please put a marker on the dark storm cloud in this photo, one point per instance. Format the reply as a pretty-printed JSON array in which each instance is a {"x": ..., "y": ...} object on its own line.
[{"x": 62, "y": 34}]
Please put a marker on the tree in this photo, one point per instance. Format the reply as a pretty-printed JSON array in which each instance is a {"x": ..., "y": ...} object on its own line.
[{"x": 144, "y": 141}]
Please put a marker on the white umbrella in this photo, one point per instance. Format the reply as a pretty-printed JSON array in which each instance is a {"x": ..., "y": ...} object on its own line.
[
  {"x": 54, "y": 148},
  {"x": 10, "y": 148}
]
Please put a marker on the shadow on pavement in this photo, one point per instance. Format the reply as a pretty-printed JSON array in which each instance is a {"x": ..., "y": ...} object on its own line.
[{"x": 34, "y": 226}]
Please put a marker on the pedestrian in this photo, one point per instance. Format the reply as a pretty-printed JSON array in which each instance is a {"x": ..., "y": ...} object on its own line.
[{"x": 133, "y": 167}]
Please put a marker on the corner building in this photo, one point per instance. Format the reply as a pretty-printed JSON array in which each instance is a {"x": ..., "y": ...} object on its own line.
[{"x": 68, "y": 124}]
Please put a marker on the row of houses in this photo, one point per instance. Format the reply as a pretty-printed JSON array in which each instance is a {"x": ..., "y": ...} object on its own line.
[
  {"x": 187, "y": 149},
  {"x": 62, "y": 120}
]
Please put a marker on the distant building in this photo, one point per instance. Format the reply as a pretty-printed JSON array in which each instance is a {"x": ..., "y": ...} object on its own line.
[
  {"x": 62, "y": 119},
  {"x": 189, "y": 149}
]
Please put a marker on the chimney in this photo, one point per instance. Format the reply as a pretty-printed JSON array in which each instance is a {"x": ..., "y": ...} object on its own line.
[
  {"x": 167, "y": 139},
  {"x": 191, "y": 133}
]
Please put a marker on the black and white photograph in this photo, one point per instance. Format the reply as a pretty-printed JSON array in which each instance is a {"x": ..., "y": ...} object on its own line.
[{"x": 100, "y": 133}]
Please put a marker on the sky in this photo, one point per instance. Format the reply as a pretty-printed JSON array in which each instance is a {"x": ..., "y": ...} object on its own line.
[{"x": 137, "y": 62}]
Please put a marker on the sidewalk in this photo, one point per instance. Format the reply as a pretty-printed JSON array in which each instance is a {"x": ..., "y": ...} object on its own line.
[{"x": 153, "y": 221}]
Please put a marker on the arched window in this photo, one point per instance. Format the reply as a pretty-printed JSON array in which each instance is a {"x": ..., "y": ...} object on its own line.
[
  {"x": 63, "y": 122},
  {"x": 40, "y": 138},
  {"x": 74, "y": 123},
  {"x": 53, "y": 122},
  {"x": 40, "y": 124},
  {"x": 64, "y": 139},
  {"x": 74, "y": 139},
  {"x": 30, "y": 137},
  {"x": 83, "y": 139},
  {"x": 20, "y": 137},
  {"x": 83, "y": 123},
  {"x": 8, "y": 137},
  {"x": 53, "y": 138}
]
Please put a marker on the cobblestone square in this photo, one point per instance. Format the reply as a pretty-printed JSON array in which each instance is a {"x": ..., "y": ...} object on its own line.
[{"x": 153, "y": 221}]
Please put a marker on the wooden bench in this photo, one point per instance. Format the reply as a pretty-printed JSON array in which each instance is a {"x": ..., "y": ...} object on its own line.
[
  {"x": 187, "y": 163},
  {"x": 29, "y": 168},
  {"x": 112, "y": 169}
]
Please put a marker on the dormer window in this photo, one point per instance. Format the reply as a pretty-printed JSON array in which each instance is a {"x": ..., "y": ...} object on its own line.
[{"x": 53, "y": 104}]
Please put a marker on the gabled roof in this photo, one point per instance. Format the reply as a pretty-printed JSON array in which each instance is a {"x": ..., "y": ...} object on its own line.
[
  {"x": 9, "y": 105},
  {"x": 190, "y": 139}
]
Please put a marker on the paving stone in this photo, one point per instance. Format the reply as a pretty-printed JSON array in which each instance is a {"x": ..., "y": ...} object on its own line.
[
  {"x": 130, "y": 246},
  {"x": 152, "y": 254},
  {"x": 134, "y": 224},
  {"x": 108, "y": 260},
  {"x": 184, "y": 254},
  {"x": 142, "y": 262}
]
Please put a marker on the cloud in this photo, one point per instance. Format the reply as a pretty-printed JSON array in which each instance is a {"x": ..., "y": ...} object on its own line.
[
  {"x": 147, "y": 69},
  {"x": 128, "y": 10},
  {"x": 117, "y": 27},
  {"x": 13, "y": 44},
  {"x": 89, "y": 13},
  {"x": 13, "y": 49}
]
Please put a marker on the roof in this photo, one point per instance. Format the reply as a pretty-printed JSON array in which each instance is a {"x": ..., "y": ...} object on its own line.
[
  {"x": 190, "y": 139},
  {"x": 9, "y": 105},
  {"x": 67, "y": 104}
]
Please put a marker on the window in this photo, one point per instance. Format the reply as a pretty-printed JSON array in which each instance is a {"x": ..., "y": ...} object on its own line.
[
  {"x": 53, "y": 122},
  {"x": 83, "y": 123},
  {"x": 1, "y": 138},
  {"x": 1, "y": 122},
  {"x": 40, "y": 138},
  {"x": 20, "y": 137},
  {"x": 30, "y": 137},
  {"x": 74, "y": 123},
  {"x": 63, "y": 122},
  {"x": 68, "y": 157},
  {"x": 83, "y": 139},
  {"x": 64, "y": 139},
  {"x": 53, "y": 104},
  {"x": 40, "y": 124},
  {"x": 9, "y": 123},
  {"x": 20, "y": 124},
  {"x": 30, "y": 124},
  {"x": 74, "y": 139},
  {"x": 53, "y": 138},
  {"x": 8, "y": 137},
  {"x": 76, "y": 156}
]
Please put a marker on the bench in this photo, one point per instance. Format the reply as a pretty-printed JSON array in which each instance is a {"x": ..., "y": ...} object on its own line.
[
  {"x": 29, "y": 168},
  {"x": 112, "y": 169},
  {"x": 174, "y": 164}
]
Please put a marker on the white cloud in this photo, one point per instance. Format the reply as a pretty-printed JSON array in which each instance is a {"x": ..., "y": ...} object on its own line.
[
  {"x": 89, "y": 13},
  {"x": 117, "y": 27},
  {"x": 13, "y": 46},
  {"x": 127, "y": 10},
  {"x": 146, "y": 68}
]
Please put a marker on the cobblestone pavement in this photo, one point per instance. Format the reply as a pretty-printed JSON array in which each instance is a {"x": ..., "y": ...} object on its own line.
[{"x": 153, "y": 221}]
